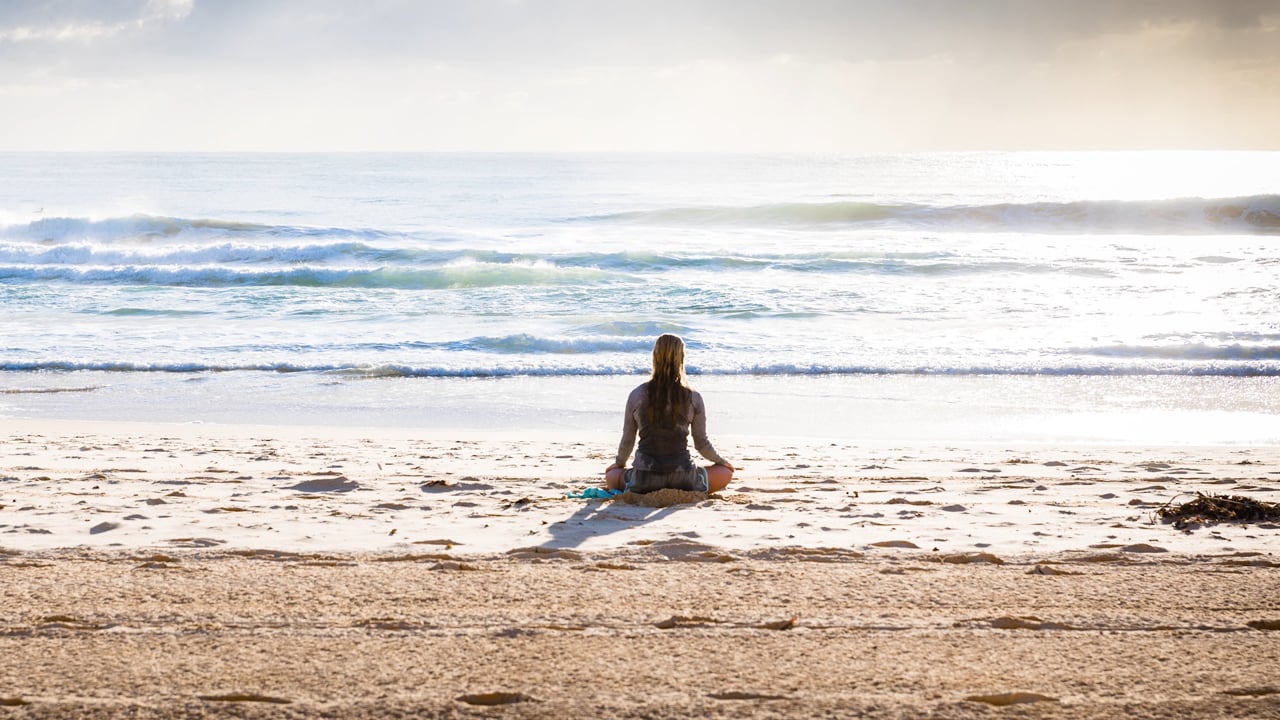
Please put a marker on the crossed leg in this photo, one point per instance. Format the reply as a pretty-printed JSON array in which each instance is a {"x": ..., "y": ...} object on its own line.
[{"x": 718, "y": 477}]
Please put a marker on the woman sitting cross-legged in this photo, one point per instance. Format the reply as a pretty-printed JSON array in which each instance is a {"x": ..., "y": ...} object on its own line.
[{"x": 665, "y": 411}]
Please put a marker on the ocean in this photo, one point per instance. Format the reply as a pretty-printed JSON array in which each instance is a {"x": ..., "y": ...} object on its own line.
[{"x": 1002, "y": 297}]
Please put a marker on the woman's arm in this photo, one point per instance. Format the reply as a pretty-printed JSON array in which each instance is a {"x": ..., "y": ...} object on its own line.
[
  {"x": 629, "y": 428},
  {"x": 698, "y": 429}
]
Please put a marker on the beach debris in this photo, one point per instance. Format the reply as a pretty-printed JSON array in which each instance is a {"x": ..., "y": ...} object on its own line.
[
  {"x": 495, "y": 698},
  {"x": 592, "y": 493},
  {"x": 1209, "y": 508},
  {"x": 1010, "y": 698}
]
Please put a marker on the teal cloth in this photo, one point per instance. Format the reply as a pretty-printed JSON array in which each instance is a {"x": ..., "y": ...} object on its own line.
[{"x": 592, "y": 493}]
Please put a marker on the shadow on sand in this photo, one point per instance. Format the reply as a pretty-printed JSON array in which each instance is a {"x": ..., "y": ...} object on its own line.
[{"x": 623, "y": 512}]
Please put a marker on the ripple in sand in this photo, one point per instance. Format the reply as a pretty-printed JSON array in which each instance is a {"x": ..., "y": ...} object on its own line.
[
  {"x": 466, "y": 483},
  {"x": 196, "y": 542},
  {"x": 245, "y": 697},
  {"x": 681, "y": 621},
  {"x": 1142, "y": 548},
  {"x": 1047, "y": 570},
  {"x": 660, "y": 498},
  {"x": 966, "y": 558},
  {"x": 1253, "y": 691},
  {"x": 337, "y": 483},
  {"x": 494, "y": 698},
  {"x": 734, "y": 695},
  {"x": 906, "y": 544},
  {"x": 1029, "y": 622},
  {"x": 690, "y": 551},
  {"x": 538, "y": 552},
  {"x": 1012, "y": 698}
]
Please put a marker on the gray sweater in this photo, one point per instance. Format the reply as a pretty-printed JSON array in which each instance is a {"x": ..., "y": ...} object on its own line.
[{"x": 657, "y": 445}]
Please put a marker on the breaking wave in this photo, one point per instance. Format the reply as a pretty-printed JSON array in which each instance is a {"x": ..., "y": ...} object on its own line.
[
  {"x": 151, "y": 228},
  {"x": 497, "y": 370},
  {"x": 461, "y": 275},
  {"x": 1253, "y": 214}
]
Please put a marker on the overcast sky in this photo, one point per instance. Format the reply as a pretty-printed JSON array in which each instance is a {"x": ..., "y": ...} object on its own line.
[{"x": 639, "y": 75}]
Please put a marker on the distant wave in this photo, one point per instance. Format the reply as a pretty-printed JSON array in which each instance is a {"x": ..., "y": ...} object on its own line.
[
  {"x": 387, "y": 370},
  {"x": 82, "y": 253},
  {"x": 361, "y": 265},
  {"x": 151, "y": 228},
  {"x": 1253, "y": 214},
  {"x": 1196, "y": 351},
  {"x": 465, "y": 275},
  {"x": 535, "y": 345}
]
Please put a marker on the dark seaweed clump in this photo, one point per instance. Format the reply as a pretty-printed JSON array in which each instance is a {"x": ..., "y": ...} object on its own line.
[{"x": 1209, "y": 508}]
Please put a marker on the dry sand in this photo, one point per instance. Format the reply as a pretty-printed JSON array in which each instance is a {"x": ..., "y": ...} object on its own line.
[{"x": 190, "y": 571}]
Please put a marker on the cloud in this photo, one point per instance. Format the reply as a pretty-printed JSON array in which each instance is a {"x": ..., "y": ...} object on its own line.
[
  {"x": 86, "y": 22},
  {"x": 639, "y": 74}
]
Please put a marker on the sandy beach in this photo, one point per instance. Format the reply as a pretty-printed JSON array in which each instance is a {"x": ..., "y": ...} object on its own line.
[{"x": 241, "y": 571}]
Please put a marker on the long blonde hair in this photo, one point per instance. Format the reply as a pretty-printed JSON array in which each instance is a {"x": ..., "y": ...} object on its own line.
[{"x": 669, "y": 394}]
